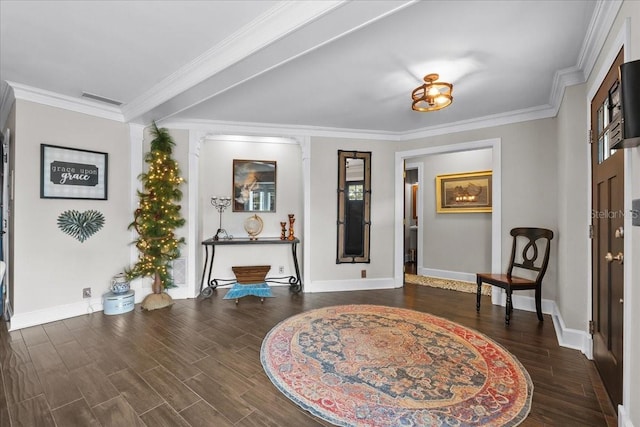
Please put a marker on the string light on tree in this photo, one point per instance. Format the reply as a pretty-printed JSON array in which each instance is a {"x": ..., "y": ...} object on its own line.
[{"x": 158, "y": 214}]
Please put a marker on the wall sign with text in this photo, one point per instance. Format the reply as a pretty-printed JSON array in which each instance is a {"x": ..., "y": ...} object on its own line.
[{"x": 71, "y": 173}]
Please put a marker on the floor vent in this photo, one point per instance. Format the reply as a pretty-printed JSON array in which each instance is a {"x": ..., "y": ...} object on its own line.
[{"x": 179, "y": 271}]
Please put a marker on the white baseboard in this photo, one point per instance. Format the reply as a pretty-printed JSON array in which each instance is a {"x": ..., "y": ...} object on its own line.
[
  {"x": 88, "y": 306},
  {"x": 528, "y": 303},
  {"x": 350, "y": 285},
  {"x": 52, "y": 314},
  {"x": 446, "y": 274},
  {"x": 623, "y": 417},
  {"x": 569, "y": 338},
  {"x": 180, "y": 292}
]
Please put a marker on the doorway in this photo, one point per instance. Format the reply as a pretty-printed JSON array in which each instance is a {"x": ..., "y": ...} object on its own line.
[
  {"x": 411, "y": 196},
  {"x": 496, "y": 218},
  {"x": 607, "y": 251}
]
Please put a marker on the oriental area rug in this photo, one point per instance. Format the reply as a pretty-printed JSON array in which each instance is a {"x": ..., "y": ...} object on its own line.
[
  {"x": 454, "y": 285},
  {"x": 370, "y": 365}
]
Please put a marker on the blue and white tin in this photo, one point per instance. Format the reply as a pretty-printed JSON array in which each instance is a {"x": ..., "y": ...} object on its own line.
[{"x": 113, "y": 303}]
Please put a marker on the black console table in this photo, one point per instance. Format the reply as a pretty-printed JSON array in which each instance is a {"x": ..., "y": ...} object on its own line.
[{"x": 295, "y": 284}]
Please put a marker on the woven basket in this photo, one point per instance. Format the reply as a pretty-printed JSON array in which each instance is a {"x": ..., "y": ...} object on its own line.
[{"x": 251, "y": 273}]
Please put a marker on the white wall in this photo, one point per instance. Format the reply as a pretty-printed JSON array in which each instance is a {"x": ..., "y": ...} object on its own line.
[
  {"x": 215, "y": 179},
  {"x": 50, "y": 268},
  {"x": 324, "y": 183},
  {"x": 459, "y": 242}
]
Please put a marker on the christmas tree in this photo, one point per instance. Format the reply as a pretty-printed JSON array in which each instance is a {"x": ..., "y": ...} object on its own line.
[{"x": 157, "y": 217}]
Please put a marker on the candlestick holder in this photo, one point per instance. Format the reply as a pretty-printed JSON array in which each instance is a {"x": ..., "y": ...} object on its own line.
[
  {"x": 291, "y": 232},
  {"x": 283, "y": 232},
  {"x": 221, "y": 203}
]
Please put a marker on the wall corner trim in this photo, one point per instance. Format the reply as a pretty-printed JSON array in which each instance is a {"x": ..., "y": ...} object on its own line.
[{"x": 570, "y": 338}]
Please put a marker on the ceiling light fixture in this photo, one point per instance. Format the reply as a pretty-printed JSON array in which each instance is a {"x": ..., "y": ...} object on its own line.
[{"x": 432, "y": 95}]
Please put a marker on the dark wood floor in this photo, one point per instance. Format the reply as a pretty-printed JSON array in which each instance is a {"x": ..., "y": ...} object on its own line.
[{"x": 197, "y": 363}]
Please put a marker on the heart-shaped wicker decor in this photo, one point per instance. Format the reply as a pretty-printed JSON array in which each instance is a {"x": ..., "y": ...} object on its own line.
[{"x": 80, "y": 225}]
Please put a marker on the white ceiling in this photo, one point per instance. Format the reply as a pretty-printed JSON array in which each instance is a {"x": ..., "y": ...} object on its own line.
[{"x": 304, "y": 64}]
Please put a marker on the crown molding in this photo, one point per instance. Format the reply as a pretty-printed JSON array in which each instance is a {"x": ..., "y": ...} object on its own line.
[
  {"x": 52, "y": 99},
  {"x": 217, "y": 127},
  {"x": 511, "y": 117},
  {"x": 214, "y": 127},
  {"x": 284, "y": 18},
  {"x": 250, "y": 139},
  {"x": 601, "y": 22},
  {"x": 561, "y": 80}
]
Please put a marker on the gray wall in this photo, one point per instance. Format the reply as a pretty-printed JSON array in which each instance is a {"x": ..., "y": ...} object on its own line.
[
  {"x": 323, "y": 212},
  {"x": 529, "y": 180},
  {"x": 459, "y": 242},
  {"x": 573, "y": 209},
  {"x": 50, "y": 268}
]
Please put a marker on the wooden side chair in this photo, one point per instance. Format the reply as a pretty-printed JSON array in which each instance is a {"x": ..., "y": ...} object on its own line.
[{"x": 526, "y": 243}]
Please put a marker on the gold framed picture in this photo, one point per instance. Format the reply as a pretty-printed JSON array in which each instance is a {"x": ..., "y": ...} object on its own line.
[
  {"x": 468, "y": 192},
  {"x": 254, "y": 186}
]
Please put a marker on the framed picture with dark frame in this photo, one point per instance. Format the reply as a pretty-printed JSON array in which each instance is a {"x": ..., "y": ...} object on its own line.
[
  {"x": 72, "y": 173},
  {"x": 254, "y": 186},
  {"x": 464, "y": 192}
]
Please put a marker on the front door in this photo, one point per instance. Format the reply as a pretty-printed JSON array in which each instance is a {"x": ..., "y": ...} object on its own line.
[{"x": 608, "y": 233}]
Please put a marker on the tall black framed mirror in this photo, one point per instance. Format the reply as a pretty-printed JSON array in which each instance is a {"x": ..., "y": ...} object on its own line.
[{"x": 354, "y": 206}]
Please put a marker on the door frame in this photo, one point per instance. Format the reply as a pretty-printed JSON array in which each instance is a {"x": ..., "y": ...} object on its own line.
[
  {"x": 419, "y": 197},
  {"x": 623, "y": 39},
  {"x": 496, "y": 215},
  {"x": 7, "y": 199}
]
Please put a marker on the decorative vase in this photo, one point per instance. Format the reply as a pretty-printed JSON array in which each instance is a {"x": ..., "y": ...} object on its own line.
[
  {"x": 291, "y": 221},
  {"x": 283, "y": 233},
  {"x": 119, "y": 284}
]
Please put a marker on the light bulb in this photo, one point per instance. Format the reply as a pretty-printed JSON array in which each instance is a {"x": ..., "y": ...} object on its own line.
[
  {"x": 433, "y": 91},
  {"x": 440, "y": 100}
]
